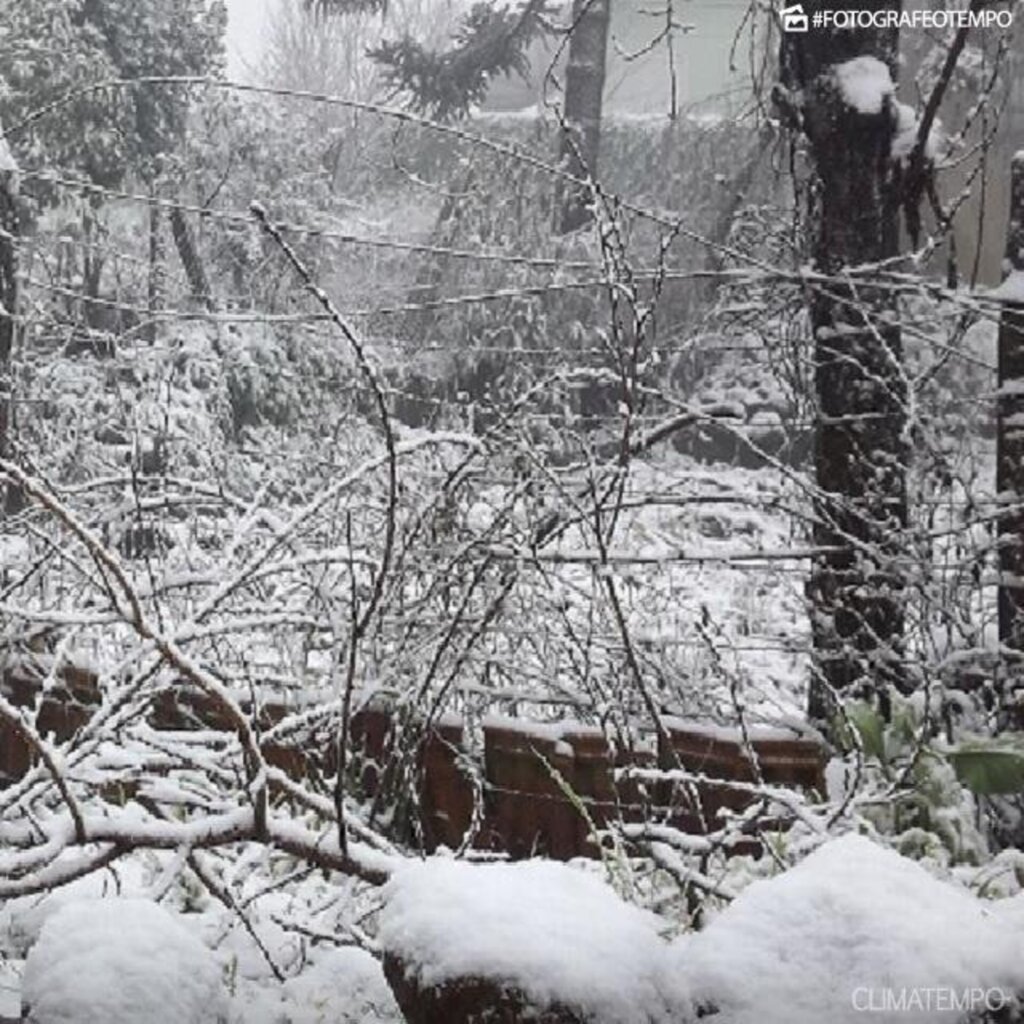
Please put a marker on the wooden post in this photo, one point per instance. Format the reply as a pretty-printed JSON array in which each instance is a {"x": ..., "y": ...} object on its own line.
[
  {"x": 10, "y": 500},
  {"x": 1010, "y": 431}
]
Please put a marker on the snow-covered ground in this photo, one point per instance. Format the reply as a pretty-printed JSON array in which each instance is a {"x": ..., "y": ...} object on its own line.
[{"x": 853, "y": 927}]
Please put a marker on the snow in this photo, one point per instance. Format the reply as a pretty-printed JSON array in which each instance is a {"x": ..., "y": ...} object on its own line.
[
  {"x": 553, "y": 932},
  {"x": 553, "y": 732},
  {"x": 346, "y": 986},
  {"x": 733, "y": 734},
  {"x": 1011, "y": 290},
  {"x": 852, "y": 918},
  {"x": 22, "y": 919},
  {"x": 864, "y": 83},
  {"x": 8, "y": 165},
  {"x": 905, "y": 136},
  {"x": 120, "y": 961}
]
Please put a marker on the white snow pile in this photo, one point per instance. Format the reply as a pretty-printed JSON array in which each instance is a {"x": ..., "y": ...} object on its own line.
[
  {"x": 906, "y": 127},
  {"x": 864, "y": 83},
  {"x": 22, "y": 918},
  {"x": 8, "y": 165},
  {"x": 346, "y": 986},
  {"x": 553, "y": 932},
  {"x": 120, "y": 961},
  {"x": 855, "y": 929},
  {"x": 1011, "y": 290}
]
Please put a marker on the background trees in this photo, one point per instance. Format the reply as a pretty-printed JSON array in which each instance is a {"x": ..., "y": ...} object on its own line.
[
  {"x": 108, "y": 137},
  {"x": 53, "y": 49},
  {"x": 446, "y": 80}
]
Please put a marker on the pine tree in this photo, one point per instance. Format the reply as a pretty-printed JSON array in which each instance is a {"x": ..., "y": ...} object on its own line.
[{"x": 493, "y": 41}]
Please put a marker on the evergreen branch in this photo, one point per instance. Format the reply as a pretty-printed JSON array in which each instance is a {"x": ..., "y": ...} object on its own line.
[{"x": 490, "y": 42}]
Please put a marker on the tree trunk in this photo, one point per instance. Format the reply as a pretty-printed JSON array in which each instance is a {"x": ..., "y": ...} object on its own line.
[
  {"x": 155, "y": 280},
  {"x": 10, "y": 499},
  {"x": 185, "y": 243},
  {"x": 860, "y": 445},
  {"x": 95, "y": 312},
  {"x": 584, "y": 96},
  {"x": 1010, "y": 434}
]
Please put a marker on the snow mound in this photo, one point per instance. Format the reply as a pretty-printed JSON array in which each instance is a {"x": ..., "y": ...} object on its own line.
[
  {"x": 864, "y": 84},
  {"x": 854, "y": 926},
  {"x": 346, "y": 986},
  {"x": 551, "y": 931},
  {"x": 1011, "y": 290},
  {"x": 22, "y": 918},
  {"x": 120, "y": 961}
]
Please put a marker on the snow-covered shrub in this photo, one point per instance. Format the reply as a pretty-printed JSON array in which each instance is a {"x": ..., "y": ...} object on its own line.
[
  {"x": 120, "y": 961},
  {"x": 934, "y": 786}
]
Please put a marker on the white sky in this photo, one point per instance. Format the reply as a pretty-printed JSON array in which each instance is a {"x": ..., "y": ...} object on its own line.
[
  {"x": 246, "y": 21},
  {"x": 703, "y": 54}
]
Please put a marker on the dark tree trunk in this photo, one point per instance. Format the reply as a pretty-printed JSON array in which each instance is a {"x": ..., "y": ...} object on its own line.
[
  {"x": 860, "y": 446},
  {"x": 584, "y": 96},
  {"x": 155, "y": 282},
  {"x": 11, "y": 500},
  {"x": 1010, "y": 437},
  {"x": 191, "y": 261},
  {"x": 96, "y": 313}
]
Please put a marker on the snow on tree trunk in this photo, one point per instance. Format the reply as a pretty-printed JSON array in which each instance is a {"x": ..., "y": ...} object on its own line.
[
  {"x": 584, "y": 96},
  {"x": 839, "y": 87},
  {"x": 1010, "y": 431}
]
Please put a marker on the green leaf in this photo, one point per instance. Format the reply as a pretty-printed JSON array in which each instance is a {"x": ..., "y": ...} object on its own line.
[
  {"x": 988, "y": 771},
  {"x": 869, "y": 725}
]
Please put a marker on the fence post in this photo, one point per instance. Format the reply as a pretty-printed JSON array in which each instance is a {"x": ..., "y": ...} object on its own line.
[
  {"x": 9, "y": 498},
  {"x": 1010, "y": 436}
]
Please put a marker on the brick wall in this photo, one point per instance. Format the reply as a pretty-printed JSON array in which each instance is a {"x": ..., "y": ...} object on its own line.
[{"x": 531, "y": 783}]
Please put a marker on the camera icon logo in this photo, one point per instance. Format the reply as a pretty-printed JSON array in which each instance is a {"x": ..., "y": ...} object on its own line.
[{"x": 794, "y": 19}]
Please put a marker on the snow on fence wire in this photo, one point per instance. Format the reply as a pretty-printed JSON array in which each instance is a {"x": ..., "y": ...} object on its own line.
[{"x": 543, "y": 789}]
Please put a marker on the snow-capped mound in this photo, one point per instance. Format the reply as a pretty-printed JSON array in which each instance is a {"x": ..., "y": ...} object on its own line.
[
  {"x": 345, "y": 986},
  {"x": 554, "y": 933},
  {"x": 120, "y": 961},
  {"x": 855, "y": 932}
]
